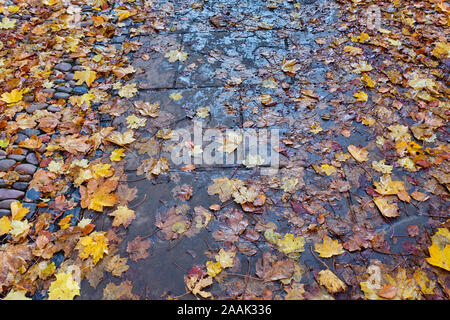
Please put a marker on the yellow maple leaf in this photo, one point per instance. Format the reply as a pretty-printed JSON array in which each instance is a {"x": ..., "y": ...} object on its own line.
[
  {"x": 175, "y": 55},
  {"x": 12, "y": 97},
  {"x": 7, "y": 23},
  {"x": 315, "y": 128},
  {"x": 64, "y": 223},
  {"x": 176, "y": 96},
  {"x": 117, "y": 154},
  {"x": 18, "y": 211},
  {"x": 121, "y": 139},
  {"x": 330, "y": 281},
  {"x": 269, "y": 83},
  {"x": 329, "y": 170},
  {"x": 380, "y": 166},
  {"x": 388, "y": 187},
  {"x": 441, "y": 50},
  {"x": 361, "y": 96},
  {"x": 122, "y": 216},
  {"x": 440, "y": 249},
  {"x": 387, "y": 206},
  {"x": 203, "y": 112},
  {"x": 19, "y": 229},
  {"x": 134, "y": 122},
  {"x": 196, "y": 285},
  {"x": 5, "y": 225},
  {"x": 213, "y": 268},
  {"x": 291, "y": 244},
  {"x": 328, "y": 248},
  {"x": 360, "y": 154},
  {"x": 399, "y": 132},
  {"x": 16, "y": 295},
  {"x": 95, "y": 245},
  {"x": 102, "y": 198},
  {"x": 147, "y": 108},
  {"x": 63, "y": 288},
  {"x": 84, "y": 99},
  {"x": 122, "y": 14},
  {"x": 290, "y": 66},
  {"x": 102, "y": 170},
  {"x": 117, "y": 265},
  {"x": 88, "y": 76},
  {"x": 128, "y": 91},
  {"x": 368, "y": 80},
  {"x": 426, "y": 285},
  {"x": 231, "y": 141},
  {"x": 225, "y": 187},
  {"x": 353, "y": 50},
  {"x": 225, "y": 258},
  {"x": 153, "y": 167}
]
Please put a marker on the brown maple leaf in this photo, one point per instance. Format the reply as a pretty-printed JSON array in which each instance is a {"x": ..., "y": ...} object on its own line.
[{"x": 138, "y": 248}]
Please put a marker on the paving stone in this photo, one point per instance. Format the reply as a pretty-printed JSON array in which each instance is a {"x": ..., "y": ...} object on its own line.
[
  {"x": 221, "y": 56},
  {"x": 156, "y": 72},
  {"x": 223, "y": 103}
]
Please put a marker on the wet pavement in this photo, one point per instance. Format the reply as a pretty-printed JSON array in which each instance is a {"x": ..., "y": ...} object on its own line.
[{"x": 232, "y": 47}]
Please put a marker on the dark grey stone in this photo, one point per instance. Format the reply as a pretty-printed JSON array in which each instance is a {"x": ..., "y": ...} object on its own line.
[
  {"x": 30, "y": 132},
  {"x": 10, "y": 194},
  {"x": 4, "y": 212},
  {"x": 61, "y": 95},
  {"x": 16, "y": 157},
  {"x": 32, "y": 195},
  {"x": 6, "y": 164},
  {"x": 80, "y": 89},
  {"x": 49, "y": 90},
  {"x": 26, "y": 168},
  {"x": 64, "y": 89},
  {"x": 20, "y": 185},
  {"x": 63, "y": 66},
  {"x": 54, "y": 108},
  {"x": 24, "y": 177},
  {"x": 31, "y": 158},
  {"x": 21, "y": 137},
  {"x": 6, "y": 204},
  {"x": 36, "y": 106}
]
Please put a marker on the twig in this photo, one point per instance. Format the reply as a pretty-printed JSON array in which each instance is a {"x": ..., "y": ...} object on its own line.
[
  {"x": 317, "y": 258},
  {"x": 141, "y": 202},
  {"x": 246, "y": 280}
]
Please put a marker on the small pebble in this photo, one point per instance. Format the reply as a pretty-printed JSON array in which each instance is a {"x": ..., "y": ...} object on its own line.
[{"x": 63, "y": 66}]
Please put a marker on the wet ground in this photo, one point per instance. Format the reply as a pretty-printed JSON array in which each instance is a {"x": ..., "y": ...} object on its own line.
[{"x": 228, "y": 40}]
